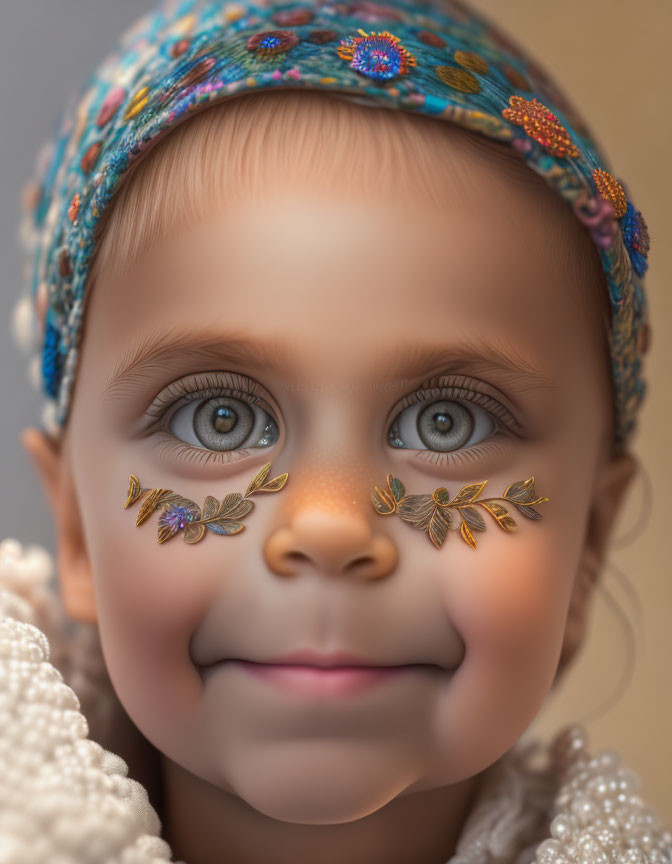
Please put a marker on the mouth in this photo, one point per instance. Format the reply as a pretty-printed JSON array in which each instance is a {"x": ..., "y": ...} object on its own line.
[{"x": 306, "y": 679}]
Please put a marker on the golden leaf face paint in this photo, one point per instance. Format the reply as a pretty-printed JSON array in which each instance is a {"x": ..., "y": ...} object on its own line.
[
  {"x": 437, "y": 513},
  {"x": 181, "y": 514}
]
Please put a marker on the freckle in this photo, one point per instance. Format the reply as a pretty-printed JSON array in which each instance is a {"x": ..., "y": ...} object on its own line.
[{"x": 329, "y": 482}]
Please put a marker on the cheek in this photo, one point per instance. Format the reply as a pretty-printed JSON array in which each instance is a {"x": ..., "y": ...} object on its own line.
[
  {"x": 508, "y": 600},
  {"x": 513, "y": 598},
  {"x": 150, "y": 598}
]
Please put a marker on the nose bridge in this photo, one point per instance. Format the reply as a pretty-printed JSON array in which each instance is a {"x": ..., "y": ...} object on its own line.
[
  {"x": 326, "y": 522},
  {"x": 333, "y": 482}
]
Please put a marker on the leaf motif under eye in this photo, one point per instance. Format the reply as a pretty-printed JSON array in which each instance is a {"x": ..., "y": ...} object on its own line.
[
  {"x": 149, "y": 505},
  {"x": 432, "y": 513},
  {"x": 383, "y": 501},
  {"x": 210, "y": 507},
  {"x": 229, "y": 502},
  {"x": 522, "y": 493},
  {"x": 194, "y": 532},
  {"x": 467, "y": 494},
  {"x": 501, "y": 514},
  {"x": 528, "y": 511},
  {"x": 225, "y": 526},
  {"x": 275, "y": 484},
  {"x": 417, "y": 509},
  {"x": 258, "y": 479},
  {"x": 439, "y": 524},
  {"x": 396, "y": 487},
  {"x": 134, "y": 491},
  {"x": 183, "y": 514},
  {"x": 240, "y": 510},
  {"x": 473, "y": 518},
  {"x": 466, "y": 534}
]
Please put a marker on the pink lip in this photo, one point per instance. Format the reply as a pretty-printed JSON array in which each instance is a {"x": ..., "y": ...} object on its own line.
[{"x": 319, "y": 680}]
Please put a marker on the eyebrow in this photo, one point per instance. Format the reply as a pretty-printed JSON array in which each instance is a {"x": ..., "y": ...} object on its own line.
[{"x": 164, "y": 351}]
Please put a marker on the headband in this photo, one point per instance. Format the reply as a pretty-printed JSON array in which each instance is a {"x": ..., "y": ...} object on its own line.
[{"x": 438, "y": 59}]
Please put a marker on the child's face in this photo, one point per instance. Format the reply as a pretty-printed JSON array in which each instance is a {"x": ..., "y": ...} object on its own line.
[{"x": 327, "y": 317}]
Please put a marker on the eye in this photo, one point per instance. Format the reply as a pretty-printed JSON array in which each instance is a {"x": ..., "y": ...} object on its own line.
[
  {"x": 441, "y": 425},
  {"x": 223, "y": 423}
]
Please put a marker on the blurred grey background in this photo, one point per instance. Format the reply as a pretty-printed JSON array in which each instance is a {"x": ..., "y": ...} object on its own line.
[{"x": 613, "y": 59}]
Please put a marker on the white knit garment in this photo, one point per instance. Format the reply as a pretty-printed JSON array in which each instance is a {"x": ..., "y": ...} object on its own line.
[{"x": 65, "y": 799}]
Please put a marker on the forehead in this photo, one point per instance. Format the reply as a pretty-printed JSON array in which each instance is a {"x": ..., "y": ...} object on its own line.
[{"x": 343, "y": 273}]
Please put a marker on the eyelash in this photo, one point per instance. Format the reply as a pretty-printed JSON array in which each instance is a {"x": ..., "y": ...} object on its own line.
[
  {"x": 437, "y": 388},
  {"x": 210, "y": 385}
]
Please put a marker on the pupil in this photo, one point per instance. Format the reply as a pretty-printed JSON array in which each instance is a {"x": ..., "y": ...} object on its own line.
[
  {"x": 225, "y": 418},
  {"x": 443, "y": 421}
]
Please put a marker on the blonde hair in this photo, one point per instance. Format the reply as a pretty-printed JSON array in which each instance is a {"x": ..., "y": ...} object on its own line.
[{"x": 240, "y": 149}]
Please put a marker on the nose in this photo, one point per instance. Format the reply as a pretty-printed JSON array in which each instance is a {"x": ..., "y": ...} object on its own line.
[
  {"x": 326, "y": 522},
  {"x": 334, "y": 544}
]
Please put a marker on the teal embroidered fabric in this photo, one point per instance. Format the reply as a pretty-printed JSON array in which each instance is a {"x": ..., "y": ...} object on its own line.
[{"x": 438, "y": 59}]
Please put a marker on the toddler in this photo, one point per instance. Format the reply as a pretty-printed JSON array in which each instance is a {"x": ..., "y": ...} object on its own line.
[{"x": 401, "y": 359}]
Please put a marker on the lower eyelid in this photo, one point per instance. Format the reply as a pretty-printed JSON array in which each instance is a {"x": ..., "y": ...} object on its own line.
[
  {"x": 494, "y": 445},
  {"x": 167, "y": 444}
]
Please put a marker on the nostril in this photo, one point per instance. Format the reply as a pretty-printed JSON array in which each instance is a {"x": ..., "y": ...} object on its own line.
[
  {"x": 358, "y": 562},
  {"x": 297, "y": 556}
]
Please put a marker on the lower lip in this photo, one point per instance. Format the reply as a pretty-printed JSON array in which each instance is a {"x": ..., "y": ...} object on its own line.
[{"x": 319, "y": 680}]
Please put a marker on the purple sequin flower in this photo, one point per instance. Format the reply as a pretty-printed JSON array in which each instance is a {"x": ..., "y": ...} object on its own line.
[
  {"x": 176, "y": 518},
  {"x": 597, "y": 214}
]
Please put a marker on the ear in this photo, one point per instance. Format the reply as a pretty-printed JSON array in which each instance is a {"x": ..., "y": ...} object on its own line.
[
  {"x": 74, "y": 571},
  {"x": 612, "y": 483}
]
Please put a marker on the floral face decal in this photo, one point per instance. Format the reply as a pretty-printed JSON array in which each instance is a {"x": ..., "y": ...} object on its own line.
[
  {"x": 182, "y": 514},
  {"x": 437, "y": 513}
]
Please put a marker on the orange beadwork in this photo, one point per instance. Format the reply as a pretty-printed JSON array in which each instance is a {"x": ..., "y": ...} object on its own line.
[
  {"x": 73, "y": 209},
  {"x": 611, "y": 189},
  {"x": 541, "y": 124}
]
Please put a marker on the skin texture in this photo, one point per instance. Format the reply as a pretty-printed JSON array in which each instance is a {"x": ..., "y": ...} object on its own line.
[{"x": 387, "y": 775}]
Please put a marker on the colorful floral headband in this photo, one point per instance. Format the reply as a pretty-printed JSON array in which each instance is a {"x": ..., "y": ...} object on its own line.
[{"x": 439, "y": 59}]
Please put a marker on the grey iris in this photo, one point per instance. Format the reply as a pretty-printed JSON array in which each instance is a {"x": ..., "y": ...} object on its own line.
[
  {"x": 223, "y": 423},
  {"x": 445, "y": 425}
]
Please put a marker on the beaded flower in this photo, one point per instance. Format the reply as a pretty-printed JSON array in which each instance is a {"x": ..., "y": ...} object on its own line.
[
  {"x": 541, "y": 124},
  {"x": 379, "y": 55},
  {"x": 609, "y": 188}
]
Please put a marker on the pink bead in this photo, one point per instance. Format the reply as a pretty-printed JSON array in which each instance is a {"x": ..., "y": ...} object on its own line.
[{"x": 111, "y": 105}]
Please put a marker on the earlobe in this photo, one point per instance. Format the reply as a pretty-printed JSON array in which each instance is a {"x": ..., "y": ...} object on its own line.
[
  {"x": 45, "y": 456},
  {"x": 73, "y": 564}
]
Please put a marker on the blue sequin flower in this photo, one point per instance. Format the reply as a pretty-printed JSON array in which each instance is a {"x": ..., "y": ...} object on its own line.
[
  {"x": 378, "y": 55},
  {"x": 636, "y": 239},
  {"x": 272, "y": 42}
]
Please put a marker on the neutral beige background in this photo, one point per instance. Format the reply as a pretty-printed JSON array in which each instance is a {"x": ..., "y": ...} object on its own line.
[{"x": 613, "y": 59}]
